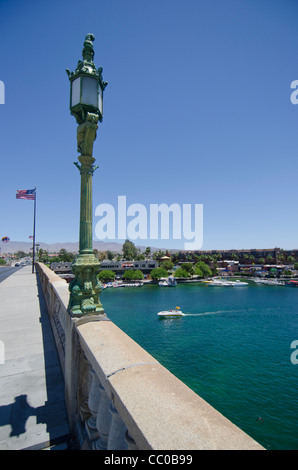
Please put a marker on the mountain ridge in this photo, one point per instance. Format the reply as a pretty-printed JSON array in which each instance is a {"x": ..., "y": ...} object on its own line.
[{"x": 73, "y": 247}]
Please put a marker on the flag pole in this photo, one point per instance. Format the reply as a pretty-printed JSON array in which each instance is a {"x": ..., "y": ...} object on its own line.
[{"x": 33, "y": 247}]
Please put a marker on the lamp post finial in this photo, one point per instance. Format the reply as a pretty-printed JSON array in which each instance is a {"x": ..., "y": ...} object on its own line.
[{"x": 88, "y": 51}]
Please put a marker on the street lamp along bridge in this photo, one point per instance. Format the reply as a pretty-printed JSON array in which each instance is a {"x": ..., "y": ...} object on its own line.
[{"x": 86, "y": 105}]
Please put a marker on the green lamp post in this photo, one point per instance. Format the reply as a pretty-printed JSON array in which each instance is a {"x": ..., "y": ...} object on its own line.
[{"x": 86, "y": 105}]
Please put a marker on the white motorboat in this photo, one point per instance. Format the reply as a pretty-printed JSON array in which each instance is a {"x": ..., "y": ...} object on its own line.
[
  {"x": 171, "y": 313},
  {"x": 170, "y": 282},
  {"x": 226, "y": 283},
  {"x": 219, "y": 283},
  {"x": 163, "y": 283},
  {"x": 240, "y": 283}
]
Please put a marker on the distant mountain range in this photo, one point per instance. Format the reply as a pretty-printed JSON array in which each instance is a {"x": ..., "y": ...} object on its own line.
[{"x": 73, "y": 247}]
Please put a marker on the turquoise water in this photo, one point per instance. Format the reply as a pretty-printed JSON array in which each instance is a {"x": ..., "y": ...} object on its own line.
[{"x": 233, "y": 349}]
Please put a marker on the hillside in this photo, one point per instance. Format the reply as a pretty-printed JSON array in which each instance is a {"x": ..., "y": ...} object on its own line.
[{"x": 73, "y": 247}]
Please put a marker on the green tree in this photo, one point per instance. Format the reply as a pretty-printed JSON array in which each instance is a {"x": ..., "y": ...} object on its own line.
[
  {"x": 158, "y": 254},
  {"x": 40, "y": 253},
  {"x": 65, "y": 256},
  {"x": 138, "y": 275},
  {"x": 140, "y": 255},
  {"x": 106, "y": 275},
  {"x": 101, "y": 255},
  {"x": 188, "y": 267},
  {"x": 204, "y": 268},
  {"x": 110, "y": 255},
  {"x": 43, "y": 256},
  {"x": 168, "y": 265},
  {"x": 21, "y": 254},
  {"x": 287, "y": 273},
  {"x": 180, "y": 272},
  {"x": 129, "y": 250},
  {"x": 199, "y": 272},
  {"x": 131, "y": 275},
  {"x": 128, "y": 275},
  {"x": 158, "y": 273}
]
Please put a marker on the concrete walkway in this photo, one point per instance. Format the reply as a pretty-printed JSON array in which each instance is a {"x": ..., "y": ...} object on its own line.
[{"x": 32, "y": 408}]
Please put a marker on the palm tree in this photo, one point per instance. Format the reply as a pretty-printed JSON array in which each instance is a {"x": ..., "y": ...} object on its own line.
[{"x": 246, "y": 257}]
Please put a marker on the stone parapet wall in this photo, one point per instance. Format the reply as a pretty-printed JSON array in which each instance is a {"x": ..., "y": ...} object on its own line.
[{"x": 119, "y": 397}]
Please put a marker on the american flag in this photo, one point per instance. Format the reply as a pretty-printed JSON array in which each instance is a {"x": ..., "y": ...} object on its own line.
[{"x": 26, "y": 194}]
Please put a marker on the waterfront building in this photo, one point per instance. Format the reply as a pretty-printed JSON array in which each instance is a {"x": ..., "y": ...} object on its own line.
[
  {"x": 121, "y": 266},
  {"x": 63, "y": 269}
]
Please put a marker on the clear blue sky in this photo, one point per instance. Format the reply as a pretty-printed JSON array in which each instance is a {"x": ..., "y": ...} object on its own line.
[{"x": 197, "y": 111}]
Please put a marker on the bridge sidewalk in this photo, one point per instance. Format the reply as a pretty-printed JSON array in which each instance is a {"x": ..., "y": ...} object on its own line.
[{"x": 32, "y": 407}]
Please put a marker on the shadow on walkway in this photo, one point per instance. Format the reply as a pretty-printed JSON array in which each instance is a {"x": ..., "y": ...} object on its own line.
[
  {"x": 16, "y": 415},
  {"x": 53, "y": 412}
]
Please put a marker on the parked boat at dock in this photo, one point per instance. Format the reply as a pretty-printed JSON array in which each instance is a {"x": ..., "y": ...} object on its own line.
[
  {"x": 269, "y": 282},
  {"x": 227, "y": 283},
  {"x": 122, "y": 284},
  {"x": 170, "y": 282},
  {"x": 292, "y": 283}
]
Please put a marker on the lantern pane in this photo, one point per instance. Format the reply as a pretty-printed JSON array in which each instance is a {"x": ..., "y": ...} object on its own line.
[
  {"x": 75, "y": 92},
  {"x": 100, "y": 100},
  {"x": 89, "y": 91}
]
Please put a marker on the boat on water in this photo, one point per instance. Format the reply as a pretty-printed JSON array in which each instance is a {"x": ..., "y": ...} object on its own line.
[
  {"x": 122, "y": 284},
  {"x": 135, "y": 284},
  {"x": 226, "y": 283},
  {"x": 170, "y": 282},
  {"x": 240, "y": 283},
  {"x": 218, "y": 283},
  {"x": 292, "y": 283},
  {"x": 171, "y": 313},
  {"x": 269, "y": 282}
]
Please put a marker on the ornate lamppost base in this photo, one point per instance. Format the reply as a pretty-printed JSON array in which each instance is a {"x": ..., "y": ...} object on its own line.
[{"x": 85, "y": 287}]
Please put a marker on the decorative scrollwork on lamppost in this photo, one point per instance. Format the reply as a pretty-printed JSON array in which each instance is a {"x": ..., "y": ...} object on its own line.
[{"x": 86, "y": 105}]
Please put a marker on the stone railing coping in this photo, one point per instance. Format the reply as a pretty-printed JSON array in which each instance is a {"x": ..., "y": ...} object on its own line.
[{"x": 58, "y": 284}]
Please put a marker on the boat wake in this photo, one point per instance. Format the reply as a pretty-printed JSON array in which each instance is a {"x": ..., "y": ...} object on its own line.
[
  {"x": 172, "y": 314},
  {"x": 200, "y": 314},
  {"x": 211, "y": 313}
]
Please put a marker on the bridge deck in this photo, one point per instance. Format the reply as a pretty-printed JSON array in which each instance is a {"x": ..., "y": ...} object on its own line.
[{"x": 32, "y": 408}]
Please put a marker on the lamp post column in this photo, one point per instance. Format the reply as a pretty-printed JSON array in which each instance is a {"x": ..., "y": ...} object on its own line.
[
  {"x": 85, "y": 288},
  {"x": 86, "y": 105},
  {"x": 86, "y": 171},
  {"x": 86, "y": 135}
]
